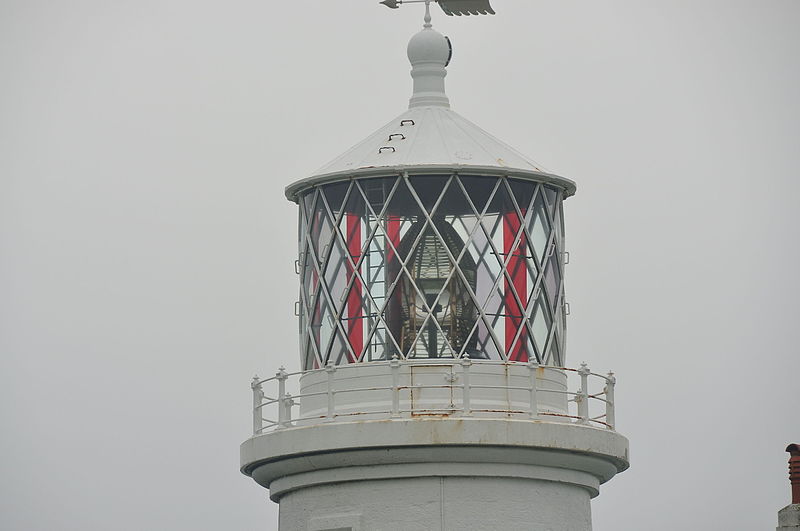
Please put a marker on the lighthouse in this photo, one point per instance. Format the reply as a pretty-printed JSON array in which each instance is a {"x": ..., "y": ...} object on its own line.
[{"x": 433, "y": 390}]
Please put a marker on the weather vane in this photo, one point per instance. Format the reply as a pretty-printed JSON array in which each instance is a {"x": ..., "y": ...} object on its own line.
[{"x": 450, "y": 7}]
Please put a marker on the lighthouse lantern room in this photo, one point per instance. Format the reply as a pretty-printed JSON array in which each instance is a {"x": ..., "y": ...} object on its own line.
[{"x": 433, "y": 391}]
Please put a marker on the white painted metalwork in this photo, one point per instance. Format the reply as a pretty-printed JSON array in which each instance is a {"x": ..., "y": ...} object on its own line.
[
  {"x": 401, "y": 397},
  {"x": 432, "y": 330},
  {"x": 436, "y": 139},
  {"x": 450, "y": 7},
  {"x": 429, "y": 53},
  {"x": 466, "y": 7},
  {"x": 430, "y": 137}
]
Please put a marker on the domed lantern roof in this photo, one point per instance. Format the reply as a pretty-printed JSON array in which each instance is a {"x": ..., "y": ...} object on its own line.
[
  {"x": 430, "y": 136},
  {"x": 431, "y": 238}
]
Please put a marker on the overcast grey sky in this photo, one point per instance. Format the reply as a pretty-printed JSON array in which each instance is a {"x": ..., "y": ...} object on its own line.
[{"x": 146, "y": 247}]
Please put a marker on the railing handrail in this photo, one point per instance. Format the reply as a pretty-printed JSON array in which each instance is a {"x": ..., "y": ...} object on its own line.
[
  {"x": 286, "y": 401},
  {"x": 426, "y": 361}
]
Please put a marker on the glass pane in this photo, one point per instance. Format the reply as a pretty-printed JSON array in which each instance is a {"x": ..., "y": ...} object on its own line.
[
  {"x": 321, "y": 232},
  {"x": 335, "y": 194},
  {"x": 553, "y": 355},
  {"x": 539, "y": 229},
  {"x": 310, "y": 361},
  {"x": 377, "y": 191},
  {"x": 428, "y": 188},
  {"x": 368, "y": 211},
  {"x": 559, "y": 222},
  {"x": 339, "y": 352},
  {"x": 552, "y": 281},
  {"x": 322, "y": 326},
  {"x": 480, "y": 344},
  {"x": 309, "y": 277},
  {"x": 454, "y": 219},
  {"x": 540, "y": 324},
  {"x": 389, "y": 269},
  {"x": 307, "y": 203},
  {"x": 336, "y": 272},
  {"x": 479, "y": 190},
  {"x": 550, "y": 195},
  {"x": 457, "y": 315},
  {"x": 430, "y": 267},
  {"x": 523, "y": 194}
]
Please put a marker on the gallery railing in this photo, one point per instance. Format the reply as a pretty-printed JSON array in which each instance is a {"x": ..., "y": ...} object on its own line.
[{"x": 275, "y": 408}]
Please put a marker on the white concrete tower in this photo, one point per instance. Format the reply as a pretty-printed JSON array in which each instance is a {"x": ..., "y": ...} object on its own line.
[{"x": 433, "y": 392}]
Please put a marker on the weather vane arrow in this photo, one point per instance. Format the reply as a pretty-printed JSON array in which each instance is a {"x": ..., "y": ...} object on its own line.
[{"x": 450, "y": 7}]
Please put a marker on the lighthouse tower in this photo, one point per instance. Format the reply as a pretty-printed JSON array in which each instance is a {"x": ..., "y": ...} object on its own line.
[{"x": 433, "y": 391}]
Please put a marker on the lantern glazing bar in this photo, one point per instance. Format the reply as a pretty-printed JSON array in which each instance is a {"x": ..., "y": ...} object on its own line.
[
  {"x": 504, "y": 271},
  {"x": 464, "y": 250},
  {"x": 404, "y": 266},
  {"x": 430, "y": 303},
  {"x": 323, "y": 287},
  {"x": 503, "y": 274},
  {"x": 396, "y": 227},
  {"x": 524, "y": 238},
  {"x": 551, "y": 246},
  {"x": 436, "y": 231},
  {"x": 356, "y": 276}
]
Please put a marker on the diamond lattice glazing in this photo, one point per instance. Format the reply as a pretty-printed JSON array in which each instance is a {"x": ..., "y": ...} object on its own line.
[{"x": 431, "y": 266}]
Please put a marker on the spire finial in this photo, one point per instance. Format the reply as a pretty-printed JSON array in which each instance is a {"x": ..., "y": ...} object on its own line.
[
  {"x": 429, "y": 52},
  {"x": 428, "y": 14}
]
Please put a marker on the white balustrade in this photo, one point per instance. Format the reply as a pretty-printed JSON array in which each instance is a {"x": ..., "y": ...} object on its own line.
[{"x": 432, "y": 387}]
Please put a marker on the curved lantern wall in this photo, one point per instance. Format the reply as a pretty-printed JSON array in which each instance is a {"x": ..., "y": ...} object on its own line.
[{"x": 433, "y": 266}]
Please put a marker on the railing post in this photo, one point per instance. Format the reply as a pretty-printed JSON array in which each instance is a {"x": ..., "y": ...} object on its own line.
[
  {"x": 331, "y": 370},
  {"x": 281, "y": 376},
  {"x": 395, "y": 366},
  {"x": 583, "y": 395},
  {"x": 611, "y": 381},
  {"x": 258, "y": 397},
  {"x": 466, "y": 363},
  {"x": 287, "y": 417},
  {"x": 533, "y": 366}
]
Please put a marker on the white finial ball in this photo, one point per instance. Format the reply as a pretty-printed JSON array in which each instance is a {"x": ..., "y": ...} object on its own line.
[{"x": 429, "y": 46}]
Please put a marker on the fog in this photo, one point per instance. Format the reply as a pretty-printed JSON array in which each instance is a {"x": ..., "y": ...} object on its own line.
[{"x": 147, "y": 249}]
